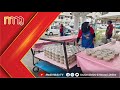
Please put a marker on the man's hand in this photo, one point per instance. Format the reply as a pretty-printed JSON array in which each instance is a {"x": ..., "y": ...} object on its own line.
[
  {"x": 93, "y": 40},
  {"x": 76, "y": 44}
]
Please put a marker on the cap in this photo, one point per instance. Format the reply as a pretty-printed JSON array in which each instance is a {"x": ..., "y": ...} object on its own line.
[{"x": 88, "y": 20}]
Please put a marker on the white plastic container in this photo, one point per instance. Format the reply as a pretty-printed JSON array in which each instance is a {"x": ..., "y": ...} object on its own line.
[
  {"x": 100, "y": 57},
  {"x": 113, "y": 41}
]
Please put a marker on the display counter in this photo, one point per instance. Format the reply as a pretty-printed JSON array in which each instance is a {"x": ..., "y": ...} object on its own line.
[
  {"x": 89, "y": 64},
  {"x": 40, "y": 43},
  {"x": 56, "y": 41}
]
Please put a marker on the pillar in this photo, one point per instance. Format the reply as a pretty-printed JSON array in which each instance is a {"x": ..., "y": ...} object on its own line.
[{"x": 76, "y": 21}]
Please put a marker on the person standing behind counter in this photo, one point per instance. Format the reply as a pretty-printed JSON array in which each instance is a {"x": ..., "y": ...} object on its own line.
[{"x": 88, "y": 35}]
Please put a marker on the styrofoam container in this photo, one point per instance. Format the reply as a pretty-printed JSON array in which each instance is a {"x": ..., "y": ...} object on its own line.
[
  {"x": 113, "y": 41},
  {"x": 106, "y": 58},
  {"x": 116, "y": 53},
  {"x": 88, "y": 53},
  {"x": 111, "y": 57},
  {"x": 98, "y": 52},
  {"x": 112, "y": 54},
  {"x": 62, "y": 62},
  {"x": 94, "y": 55},
  {"x": 104, "y": 55},
  {"x": 100, "y": 57}
]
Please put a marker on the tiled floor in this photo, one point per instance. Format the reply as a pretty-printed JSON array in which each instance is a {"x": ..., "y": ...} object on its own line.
[{"x": 28, "y": 62}]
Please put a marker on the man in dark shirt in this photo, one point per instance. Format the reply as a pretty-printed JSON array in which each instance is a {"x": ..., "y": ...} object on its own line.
[
  {"x": 109, "y": 30},
  {"x": 61, "y": 30}
]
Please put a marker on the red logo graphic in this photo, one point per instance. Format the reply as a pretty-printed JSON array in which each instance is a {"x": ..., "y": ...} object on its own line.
[
  {"x": 42, "y": 74},
  {"x": 19, "y": 39}
]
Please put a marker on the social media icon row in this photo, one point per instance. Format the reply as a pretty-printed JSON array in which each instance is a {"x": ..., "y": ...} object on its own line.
[{"x": 72, "y": 74}]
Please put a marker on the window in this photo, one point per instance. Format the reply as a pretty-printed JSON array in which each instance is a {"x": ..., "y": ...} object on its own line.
[
  {"x": 52, "y": 27},
  {"x": 55, "y": 27},
  {"x": 61, "y": 17},
  {"x": 72, "y": 26}
]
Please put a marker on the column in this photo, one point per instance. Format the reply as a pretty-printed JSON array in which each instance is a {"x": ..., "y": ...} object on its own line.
[{"x": 76, "y": 21}]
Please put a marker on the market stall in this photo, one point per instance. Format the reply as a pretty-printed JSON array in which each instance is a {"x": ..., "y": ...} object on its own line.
[
  {"x": 95, "y": 64},
  {"x": 58, "y": 53},
  {"x": 39, "y": 45}
]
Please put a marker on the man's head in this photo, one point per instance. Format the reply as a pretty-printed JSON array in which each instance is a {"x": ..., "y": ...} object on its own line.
[
  {"x": 61, "y": 25},
  {"x": 109, "y": 22}
]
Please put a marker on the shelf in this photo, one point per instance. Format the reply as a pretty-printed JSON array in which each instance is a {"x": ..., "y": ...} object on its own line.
[
  {"x": 43, "y": 57},
  {"x": 65, "y": 38}
]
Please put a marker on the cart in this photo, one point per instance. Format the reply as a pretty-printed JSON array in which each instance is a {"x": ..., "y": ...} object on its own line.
[{"x": 64, "y": 67}]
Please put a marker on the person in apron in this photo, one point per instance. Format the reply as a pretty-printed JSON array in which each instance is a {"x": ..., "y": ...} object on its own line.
[{"x": 86, "y": 33}]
